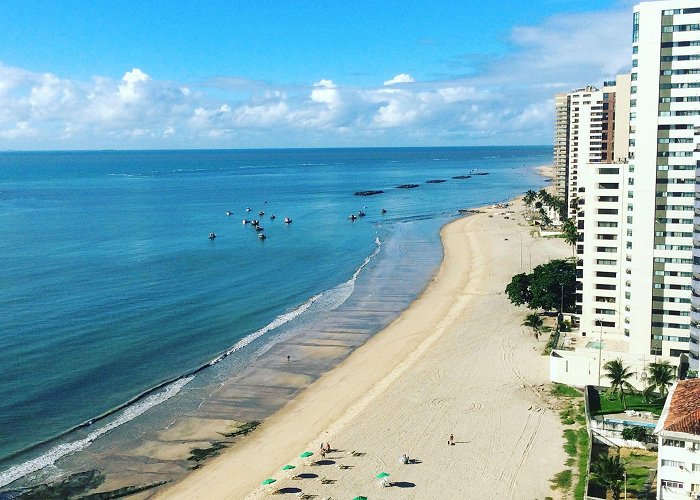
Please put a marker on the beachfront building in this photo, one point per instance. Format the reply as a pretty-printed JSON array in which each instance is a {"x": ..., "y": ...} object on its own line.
[
  {"x": 641, "y": 306},
  {"x": 587, "y": 139},
  {"x": 599, "y": 209},
  {"x": 695, "y": 283},
  {"x": 660, "y": 188},
  {"x": 561, "y": 146},
  {"x": 678, "y": 432}
]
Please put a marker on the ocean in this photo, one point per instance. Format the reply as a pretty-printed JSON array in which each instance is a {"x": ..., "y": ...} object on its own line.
[{"x": 118, "y": 311}]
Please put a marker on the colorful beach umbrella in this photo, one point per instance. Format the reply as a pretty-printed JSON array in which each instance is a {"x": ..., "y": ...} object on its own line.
[
  {"x": 306, "y": 454},
  {"x": 360, "y": 498},
  {"x": 289, "y": 467},
  {"x": 382, "y": 475},
  {"x": 269, "y": 481}
]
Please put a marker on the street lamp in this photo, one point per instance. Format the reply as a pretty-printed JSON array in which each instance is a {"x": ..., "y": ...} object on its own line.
[
  {"x": 624, "y": 474},
  {"x": 600, "y": 348},
  {"x": 561, "y": 303}
]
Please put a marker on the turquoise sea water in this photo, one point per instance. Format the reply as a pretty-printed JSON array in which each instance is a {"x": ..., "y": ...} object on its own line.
[{"x": 109, "y": 285}]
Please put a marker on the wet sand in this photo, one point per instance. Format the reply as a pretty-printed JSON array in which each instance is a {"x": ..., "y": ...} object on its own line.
[{"x": 457, "y": 361}]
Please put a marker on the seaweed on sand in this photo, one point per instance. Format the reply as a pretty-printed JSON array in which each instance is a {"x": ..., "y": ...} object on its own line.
[{"x": 242, "y": 430}]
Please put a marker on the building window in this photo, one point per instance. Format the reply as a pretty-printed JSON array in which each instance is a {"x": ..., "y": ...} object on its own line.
[
  {"x": 635, "y": 27},
  {"x": 673, "y": 442},
  {"x": 666, "y": 483},
  {"x": 672, "y": 463}
]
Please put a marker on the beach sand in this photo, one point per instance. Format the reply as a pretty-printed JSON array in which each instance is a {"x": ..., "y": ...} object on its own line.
[{"x": 457, "y": 361}]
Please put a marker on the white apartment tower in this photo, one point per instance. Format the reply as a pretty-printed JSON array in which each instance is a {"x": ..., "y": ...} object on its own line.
[
  {"x": 561, "y": 145},
  {"x": 660, "y": 179},
  {"x": 600, "y": 194},
  {"x": 589, "y": 137}
]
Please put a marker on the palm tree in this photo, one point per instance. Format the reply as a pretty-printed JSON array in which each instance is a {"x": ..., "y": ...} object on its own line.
[
  {"x": 609, "y": 472},
  {"x": 660, "y": 378},
  {"x": 618, "y": 375},
  {"x": 529, "y": 198},
  {"x": 570, "y": 233},
  {"x": 534, "y": 321}
]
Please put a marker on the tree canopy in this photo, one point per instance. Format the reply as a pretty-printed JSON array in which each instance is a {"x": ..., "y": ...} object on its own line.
[
  {"x": 609, "y": 472},
  {"x": 660, "y": 377},
  {"x": 542, "y": 289},
  {"x": 618, "y": 374}
]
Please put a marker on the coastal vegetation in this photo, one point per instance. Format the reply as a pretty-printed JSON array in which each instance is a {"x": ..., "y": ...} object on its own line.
[
  {"x": 550, "y": 286},
  {"x": 618, "y": 375},
  {"x": 608, "y": 471},
  {"x": 660, "y": 378},
  {"x": 534, "y": 321},
  {"x": 576, "y": 442},
  {"x": 570, "y": 235}
]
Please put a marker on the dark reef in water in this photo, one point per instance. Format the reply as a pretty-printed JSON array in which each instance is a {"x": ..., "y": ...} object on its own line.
[
  {"x": 77, "y": 486},
  {"x": 462, "y": 177},
  {"x": 368, "y": 193},
  {"x": 435, "y": 181},
  {"x": 407, "y": 186},
  {"x": 482, "y": 173}
]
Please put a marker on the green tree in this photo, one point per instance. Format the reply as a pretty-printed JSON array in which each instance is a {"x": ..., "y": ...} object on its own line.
[
  {"x": 518, "y": 290},
  {"x": 553, "y": 283},
  {"x": 618, "y": 375},
  {"x": 636, "y": 433},
  {"x": 609, "y": 472},
  {"x": 660, "y": 377},
  {"x": 546, "y": 287},
  {"x": 529, "y": 198},
  {"x": 570, "y": 233},
  {"x": 534, "y": 321}
]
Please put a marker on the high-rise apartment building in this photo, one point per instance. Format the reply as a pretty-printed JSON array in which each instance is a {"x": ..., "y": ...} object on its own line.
[
  {"x": 599, "y": 267},
  {"x": 661, "y": 177},
  {"x": 588, "y": 123},
  {"x": 561, "y": 145},
  {"x": 638, "y": 269}
]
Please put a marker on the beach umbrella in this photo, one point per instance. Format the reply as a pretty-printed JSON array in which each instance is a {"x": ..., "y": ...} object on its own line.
[
  {"x": 360, "y": 498},
  {"x": 288, "y": 467},
  {"x": 269, "y": 481},
  {"x": 382, "y": 475},
  {"x": 306, "y": 454}
]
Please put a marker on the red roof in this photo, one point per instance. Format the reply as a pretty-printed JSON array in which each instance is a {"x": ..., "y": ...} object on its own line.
[{"x": 684, "y": 410}]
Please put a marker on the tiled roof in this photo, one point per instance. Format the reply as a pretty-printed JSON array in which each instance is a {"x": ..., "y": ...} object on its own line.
[{"x": 684, "y": 410}]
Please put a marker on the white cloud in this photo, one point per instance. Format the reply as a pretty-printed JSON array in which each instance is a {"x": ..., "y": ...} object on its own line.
[
  {"x": 400, "y": 78},
  {"x": 508, "y": 101}
]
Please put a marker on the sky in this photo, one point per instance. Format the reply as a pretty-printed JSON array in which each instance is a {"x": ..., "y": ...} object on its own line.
[{"x": 171, "y": 74}]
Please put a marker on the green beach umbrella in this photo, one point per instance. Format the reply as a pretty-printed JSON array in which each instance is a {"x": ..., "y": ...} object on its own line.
[
  {"x": 269, "y": 481},
  {"x": 360, "y": 498},
  {"x": 306, "y": 454},
  {"x": 382, "y": 475},
  {"x": 288, "y": 467}
]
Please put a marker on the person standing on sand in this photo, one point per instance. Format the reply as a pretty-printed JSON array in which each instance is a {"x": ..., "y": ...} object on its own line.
[{"x": 451, "y": 441}]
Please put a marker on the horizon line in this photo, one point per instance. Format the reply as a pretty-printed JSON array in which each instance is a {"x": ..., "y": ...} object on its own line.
[{"x": 297, "y": 148}]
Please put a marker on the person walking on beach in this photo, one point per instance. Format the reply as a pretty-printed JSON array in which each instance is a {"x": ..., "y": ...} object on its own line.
[{"x": 451, "y": 441}]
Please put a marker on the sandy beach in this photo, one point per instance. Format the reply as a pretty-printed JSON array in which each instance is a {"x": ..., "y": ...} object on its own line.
[{"x": 457, "y": 361}]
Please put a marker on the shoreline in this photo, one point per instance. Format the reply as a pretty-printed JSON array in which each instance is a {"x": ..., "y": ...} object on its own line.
[{"x": 327, "y": 409}]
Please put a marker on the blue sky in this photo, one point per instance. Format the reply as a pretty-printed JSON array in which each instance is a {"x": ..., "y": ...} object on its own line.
[{"x": 175, "y": 74}]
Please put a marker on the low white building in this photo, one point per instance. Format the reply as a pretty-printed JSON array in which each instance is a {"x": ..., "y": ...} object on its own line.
[{"x": 678, "y": 431}]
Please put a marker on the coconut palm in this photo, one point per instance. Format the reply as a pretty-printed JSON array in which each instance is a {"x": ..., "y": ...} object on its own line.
[
  {"x": 609, "y": 472},
  {"x": 618, "y": 375},
  {"x": 534, "y": 321},
  {"x": 570, "y": 233},
  {"x": 529, "y": 198},
  {"x": 660, "y": 377}
]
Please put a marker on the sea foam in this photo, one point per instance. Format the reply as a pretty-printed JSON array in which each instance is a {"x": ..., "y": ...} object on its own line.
[{"x": 52, "y": 455}]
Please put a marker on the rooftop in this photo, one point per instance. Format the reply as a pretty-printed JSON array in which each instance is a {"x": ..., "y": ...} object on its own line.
[{"x": 684, "y": 408}]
